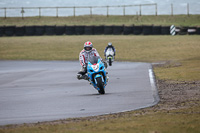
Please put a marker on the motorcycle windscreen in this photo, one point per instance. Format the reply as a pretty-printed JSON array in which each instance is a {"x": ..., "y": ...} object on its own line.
[{"x": 93, "y": 60}]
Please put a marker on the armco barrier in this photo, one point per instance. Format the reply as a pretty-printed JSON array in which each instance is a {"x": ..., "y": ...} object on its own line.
[
  {"x": 156, "y": 30},
  {"x": 165, "y": 30},
  {"x": 98, "y": 30},
  {"x": 50, "y": 30},
  {"x": 79, "y": 30},
  {"x": 137, "y": 30},
  {"x": 108, "y": 30},
  {"x": 30, "y": 30},
  {"x": 60, "y": 30},
  {"x": 9, "y": 30},
  {"x": 118, "y": 30},
  {"x": 147, "y": 30},
  {"x": 128, "y": 30},
  {"x": 39, "y": 30},
  {"x": 2, "y": 30},
  {"x": 20, "y": 31},
  {"x": 89, "y": 30},
  {"x": 70, "y": 30}
]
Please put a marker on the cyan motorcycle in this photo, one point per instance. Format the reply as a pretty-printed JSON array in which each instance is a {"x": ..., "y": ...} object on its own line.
[{"x": 97, "y": 74}]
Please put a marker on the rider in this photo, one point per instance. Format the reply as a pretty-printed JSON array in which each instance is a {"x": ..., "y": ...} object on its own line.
[
  {"x": 87, "y": 52},
  {"x": 109, "y": 46}
]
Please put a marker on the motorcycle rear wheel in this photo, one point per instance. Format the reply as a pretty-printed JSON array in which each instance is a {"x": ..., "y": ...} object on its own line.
[{"x": 100, "y": 85}]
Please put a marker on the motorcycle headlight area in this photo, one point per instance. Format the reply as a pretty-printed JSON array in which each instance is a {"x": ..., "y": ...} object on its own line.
[{"x": 95, "y": 67}]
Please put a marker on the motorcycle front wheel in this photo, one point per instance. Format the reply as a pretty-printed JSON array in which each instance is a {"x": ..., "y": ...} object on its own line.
[
  {"x": 110, "y": 62},
  {"x": 100, "y": 85}
]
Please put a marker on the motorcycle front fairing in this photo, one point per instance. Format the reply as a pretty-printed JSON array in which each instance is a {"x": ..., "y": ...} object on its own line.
[
  {"x": 110, "y": 54},
  {"x": 96, "y": 70}
]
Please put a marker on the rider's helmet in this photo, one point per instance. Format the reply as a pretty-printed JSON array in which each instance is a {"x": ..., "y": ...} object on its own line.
[
  {"x": 109, "y": 44},
  {"x": 88, "y": 46}
]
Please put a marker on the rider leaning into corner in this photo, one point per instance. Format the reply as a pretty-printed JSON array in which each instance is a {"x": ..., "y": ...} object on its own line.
[
  {"x": 84, "y": 56},
  {"x": 109, "y": 46}
]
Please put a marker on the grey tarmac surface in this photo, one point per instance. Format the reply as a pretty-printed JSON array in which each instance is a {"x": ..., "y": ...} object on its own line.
[{"x": 36, "y": 91}]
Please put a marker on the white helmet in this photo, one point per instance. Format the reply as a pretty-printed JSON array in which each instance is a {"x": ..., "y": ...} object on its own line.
[
  {"x": 88, "y": 46},
  {"x": 109, "y": 44}
]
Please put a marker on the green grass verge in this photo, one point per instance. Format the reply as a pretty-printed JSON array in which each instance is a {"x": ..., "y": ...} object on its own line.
[
  {"x": 182, "y": 52},
  {"x": 174, "y": 121},
  {"x": 178, "y": 20}
]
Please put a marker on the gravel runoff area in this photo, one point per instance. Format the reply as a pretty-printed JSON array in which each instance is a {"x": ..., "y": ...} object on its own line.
[{"x": 173, "y": 95}]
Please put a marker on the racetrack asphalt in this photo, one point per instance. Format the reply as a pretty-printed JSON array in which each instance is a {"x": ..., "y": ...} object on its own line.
[{"x": 37, "y": 91}]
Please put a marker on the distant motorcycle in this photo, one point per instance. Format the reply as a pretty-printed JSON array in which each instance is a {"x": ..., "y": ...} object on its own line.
[
  {"x": 96, "y": 74},
  {"x": 110, "y": 56}
]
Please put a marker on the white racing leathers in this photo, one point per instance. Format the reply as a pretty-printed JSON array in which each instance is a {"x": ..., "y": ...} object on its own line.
[{"x": 84, "y": 56}]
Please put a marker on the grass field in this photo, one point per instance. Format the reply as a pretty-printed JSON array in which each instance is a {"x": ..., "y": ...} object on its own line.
[
  {"x": 176, "y": 121},
  {"x": 178, "y": 20},
  {"x": 180, "y": 52}
]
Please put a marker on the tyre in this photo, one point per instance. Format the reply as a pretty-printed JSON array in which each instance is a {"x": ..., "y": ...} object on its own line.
[
  {"x": 110, "y": 62},
  {"x": 165, "y": 30},
  {"x": 117, "y": 30},
  {"x": 147, "y": 30},
  {"x": 156, "y": 30},
  {"x": 98, "y": 30},
  {"x": 9, "y": 30},
  {"x": 100, "y": 85},
  {"x": 30, "y": 30},
  {"x": 128, "y": 30},
  {"x": 39, "y": 30},
  {"x": 60, "y": 30},
  {"x": 79, "y": 30},
  {"x": 70, "y": 30},
  {"x": 50, "y": 30},
  {"x": 137, "y": 30},
  {"x": 198, "y": 31},
  {"x": 20, "y": 31},
  {"x": 2, "y": 30},
  {"x": 108, "y": 30},
  {"x": 89, "y": 30},
  {"x": 183, "y": 31}
]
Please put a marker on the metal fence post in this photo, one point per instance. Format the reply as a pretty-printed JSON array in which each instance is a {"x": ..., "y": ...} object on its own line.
[
  {"x": 22, "y": 12},
  {"x": 5, "y": 13},
  {"x": 140, "y": 10},
  {"x": 124, "y": 11},
  {"x": 107, "y": 11},
  {"x": 39, "y": 12},
  {"x": 172, "y": 11},
  {"x": 188, "y": 9},
  {"x": 74, "y": 11},
  {"x": 90, "y": 11},
  {"x": 156, "y": 10},
  {"x": 57, "y": 12}
]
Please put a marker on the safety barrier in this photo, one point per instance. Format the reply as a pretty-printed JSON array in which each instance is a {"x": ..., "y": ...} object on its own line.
[
  {"x": 2, "y": 30},
  {"x": 94, "y": 30},
  {"x": 29, "y": 30},
  {"x": 39, "y": 30},
  {"x": 98, "y": 30},
  {"x": 156, "y": 30},
  {"x": 89, "y": 30},
  {"x": 70, "y": 30}
]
